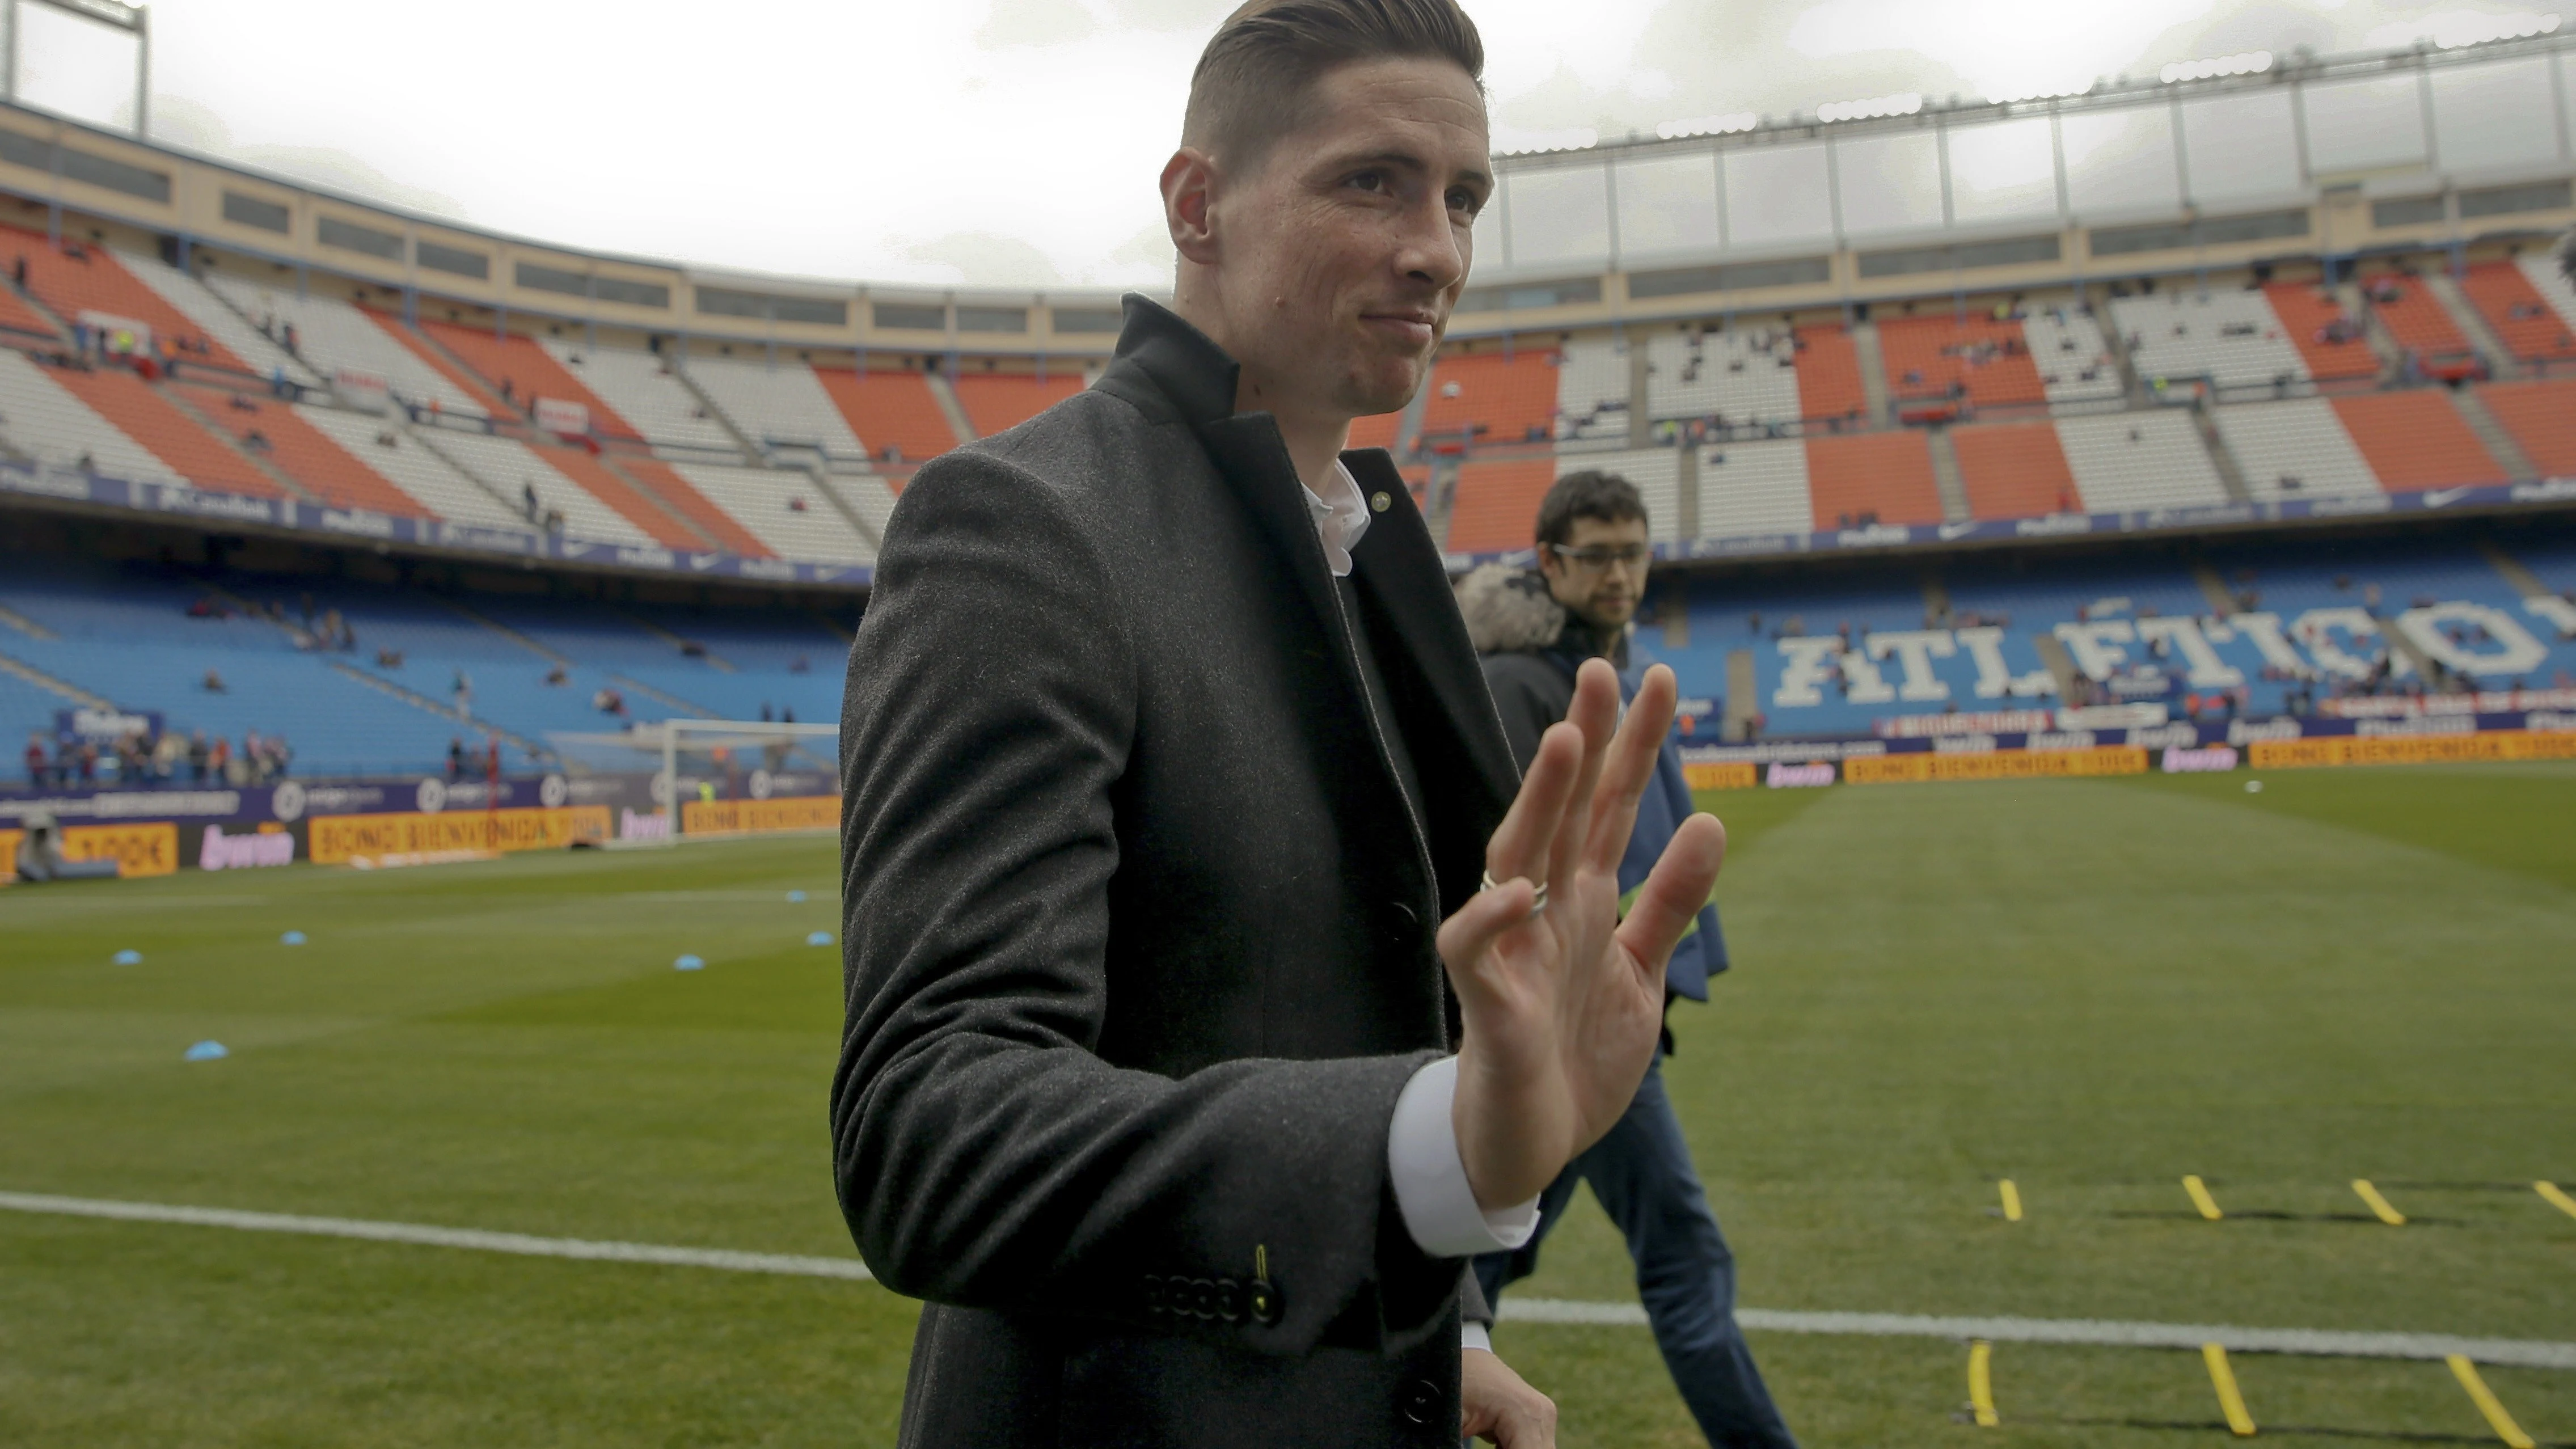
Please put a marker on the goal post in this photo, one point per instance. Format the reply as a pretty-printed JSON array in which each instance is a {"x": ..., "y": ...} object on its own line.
[
  {"x": 720, "y": 736},
  {"x": 690, "y": 757}
]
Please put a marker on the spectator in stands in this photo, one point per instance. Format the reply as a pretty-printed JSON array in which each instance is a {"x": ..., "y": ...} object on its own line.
[
  {"x": 35, "y": 742},
  {"x": 199, "y": 757},
  {"x": 214, "y": 682},
  {"x": 1535, "y": 630},
  {"x": 528, "y": 499},
  {"x": 389, "y": 659},
  {"x": 558, "y": 675},
  {"x": 455, "y": 760},
  {"x": 461, "y": 690},
  {"x": 166, "y": 754}
]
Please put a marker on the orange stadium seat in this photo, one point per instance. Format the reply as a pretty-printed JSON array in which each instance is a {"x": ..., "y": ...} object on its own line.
[
  {"x": 2014, "y": 470},
  {"x": 157, "y": 423},
  {"x": 1926, "y": 356},
  {"x": 1828, "y": 366},
  {"x": 530, "y": 371},
  {"x": 1886, "y": 477},
  {"x": 2523, "y": 319},
  {"x": 2416, "y": 440},
  {"x": 95, "y": 280},
  {"x": 890, "y": 408},
  {"x": 17, "y": 316},
  {"x": 2416, "y": 318},
  {"x": 2306, "y": 311},
  {"x": 1502, "y": 400},
  {"x": 1497, "y": 504},
  {"x": 1376, "y": 432},
  {"x": 302, "y": 451},
  {"x": 644, "y": 512},
  {"x": 996, "y": 401},
  {"x": 2541, "y": 416},
  {"x": 437, "y": 358},
  {"x": 689, "y": 503}
]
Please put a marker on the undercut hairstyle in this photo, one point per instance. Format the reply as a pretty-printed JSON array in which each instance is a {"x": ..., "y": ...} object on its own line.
[
  {"x": 1256, "y": 80},
  {"x": 1588, "y": 494}
]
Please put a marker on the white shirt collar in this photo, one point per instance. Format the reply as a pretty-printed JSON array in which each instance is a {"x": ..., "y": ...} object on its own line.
[{"x": 1341, "y": 517}]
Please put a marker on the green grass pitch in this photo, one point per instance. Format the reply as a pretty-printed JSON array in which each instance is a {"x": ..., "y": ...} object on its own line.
[{"x": 2090, "y": 987}]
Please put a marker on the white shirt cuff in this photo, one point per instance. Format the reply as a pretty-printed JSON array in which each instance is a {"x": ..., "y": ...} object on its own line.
[
  {"x": 1430, "y": 1179},
  {"x": 1475, "y": 1335}
]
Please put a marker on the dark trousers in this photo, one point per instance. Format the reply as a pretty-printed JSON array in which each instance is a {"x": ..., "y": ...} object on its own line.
[{"x": 1641, "y": 1173}]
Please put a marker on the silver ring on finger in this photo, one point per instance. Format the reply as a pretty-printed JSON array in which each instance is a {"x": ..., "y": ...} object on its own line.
[{"x": 1538, "y": 902}]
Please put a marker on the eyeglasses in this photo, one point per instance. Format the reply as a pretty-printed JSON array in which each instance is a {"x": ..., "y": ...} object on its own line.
[{"x": 1599, "y": 556}]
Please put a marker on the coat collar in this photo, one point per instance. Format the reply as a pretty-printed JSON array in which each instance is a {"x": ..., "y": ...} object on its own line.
[{"x": 1169, "y": 368}]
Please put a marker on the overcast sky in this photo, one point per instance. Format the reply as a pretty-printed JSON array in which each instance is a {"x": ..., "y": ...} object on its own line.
[{"x": 999, "y": 142}]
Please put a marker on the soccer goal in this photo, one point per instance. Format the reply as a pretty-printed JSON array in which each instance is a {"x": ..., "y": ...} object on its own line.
[{"x": 724, "y": 777}]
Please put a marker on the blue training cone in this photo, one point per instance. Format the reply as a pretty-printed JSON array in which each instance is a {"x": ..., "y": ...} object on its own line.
[
  {"x": 689, "y": 963},
  {"x": 291, "y": 938},
  {"x": 127, "y": 958},
  {"x": 205, "y": 1051},
  {"x": 819, "y": 938},
  {"x": 796, "y": 898}
]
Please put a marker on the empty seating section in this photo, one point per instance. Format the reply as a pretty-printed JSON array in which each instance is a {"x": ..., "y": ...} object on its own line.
[
  {"x": 398, "y": 455},
  {"x": 2073, "y": 358},
  {"x": 2294, "y": 450},
  {"x": 2519, "y": 313},
  {"x": 683, "y": 497},
  {"x": 783, "y": 509},
  {"x": 218, "y": 320},
  {"x": 647, "y": 392},
  {"x": 2331, "y": 343},
  {"x": 1986, "y": 361},
  {"x": 998, "y": 401},
  {"x": 2541, "y": 416},
  {"x": 2416, "y": 319},
  {"x": 332, "y": 336},
  {"x": 1758, "y": 487},
  {"x": 663, "y": 524},
  {"x": 1376, "y": 431},
  {"x": 1492, "y": 397},
  {"x": 2014, "y": 470},
  {"x": 17, "y": 316},
  {"x": 782, "y": 406},
  {"x": 93, "y": 280},
  {"x": 1655, "y": 471},
  {"x": 890, "y": 410},
  {"x": 51, "y": 424},
  {"x": 511, "y": 470},
  {"x": 1779, "y": 623},
  {"x": 1592, "y": 390},
  {"x": 2416, "y": 440},
  {"x": 2231, "y": 337},
  {"x": 1872, "y": 478},
  {"x": 530, "y": 371},
  {"x": 1747, "y": 376},
  {"x": 2545, "y": 278},
  {"x": 1828, "y": 368},
  {"x": 193, "y": 454},
  {"x": 1496, "y": 507},
  {"x": 866, "y": 495},
  {"x": 2129, "y": 461},
  {"x": 304, "y": 453}
]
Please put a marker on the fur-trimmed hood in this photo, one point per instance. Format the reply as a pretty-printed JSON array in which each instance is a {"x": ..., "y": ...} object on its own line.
[{"x": 1508, "y": 609}]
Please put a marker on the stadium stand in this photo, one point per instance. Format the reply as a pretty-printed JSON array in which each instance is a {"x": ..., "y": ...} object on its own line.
[
  {"x": 398, "y": 455},
  {"x": 781, "y": 406},
  {"x": 2126, "y": 461},
  {"x": 647, "y": 393},
  {"x": 17, "y": 316},
  {"x": 1754, "y": 487},
  {"x": 665, "y": 524},
  {"x": 2071, "y": 355},
  {"x": 783, "y": 509},
  {"x": 2233, "y": 338},
  {"x": 2331, "y": 343},
  {"x": 1592, "y": 390},
  {"x": 511, "y": 470},
  {"x": 1492, "y": 397},
  {"x": 1872, "y": 478},
  {"x": 2014, "y": 470},
  {"x": 1377, "y": 431},
  {"x": 890, "y": 410},
  {"x": 2541, "y": 416},
  {"x": 303, "y": 452},
  {"x": 1738, "y": 376},
  {"x": 2416, "y": 319},
  {"x": 187, "y": 449},
  {"x": 2294, "y": 449},
  {"x": 683, "y": 497},
  {"x": 1985, "y": 361},
  {"x": 1496, "y": 506},
  {"x": 868, "y": 497},
  {"x": 2509, "y": 296},
  {"x": 517, "y": 372},
  {"x": 1828, "y": 370},
  {"x": 1655, "y": 471},
  {"x": 2416, "y": 440},
  {"x": 217, "y": 320},
  {"x": 79, "y": 277},
  {"x": 997, "y": 401},
  {"x": 50, "y": 422},
  {"x": 332, "y": 336}
]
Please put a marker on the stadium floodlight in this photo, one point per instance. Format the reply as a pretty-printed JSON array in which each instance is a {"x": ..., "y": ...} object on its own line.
[
  {"x": 2457, "y": 29},
  {"x": 1904, "y": 104},
  {"x": 2251, "y": 62},
  {"x": 135, "y": 19},
  {"x": 1708, "y": 125}
]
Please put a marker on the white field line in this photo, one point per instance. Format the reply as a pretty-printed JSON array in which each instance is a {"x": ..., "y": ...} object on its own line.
[{"x": 2523, "y": 1353}]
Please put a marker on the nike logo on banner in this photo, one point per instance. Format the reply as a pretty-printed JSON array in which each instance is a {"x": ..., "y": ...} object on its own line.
[
  {"x": 2445, "y": 497},
  {"x": 1950, "y": 531}
]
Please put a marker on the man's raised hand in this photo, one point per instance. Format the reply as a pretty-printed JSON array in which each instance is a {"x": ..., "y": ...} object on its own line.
[{"x": 1563, "y": 1007}]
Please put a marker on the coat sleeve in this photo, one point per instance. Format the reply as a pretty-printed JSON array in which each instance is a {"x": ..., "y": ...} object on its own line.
[
  {"x": 1530, "y": 695},
  {"x": 984, "y": 1155}
]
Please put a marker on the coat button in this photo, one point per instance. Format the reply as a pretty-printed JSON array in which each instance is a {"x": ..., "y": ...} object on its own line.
[
  {"x": 1154, "y": 1295},
  {"x": 1422, "y": 1402},
  {"x": 1203, "y": 1298},
  {"x": 1262, "y": 1302},
  {"x": 1229, "y": 1300},
  {"x": 1380, "y": 501}
]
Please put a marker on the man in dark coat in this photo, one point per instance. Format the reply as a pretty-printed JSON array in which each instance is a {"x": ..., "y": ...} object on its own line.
[
  {"x": 1535, "y": 631},
  {"x": 1173, "y": 798}
]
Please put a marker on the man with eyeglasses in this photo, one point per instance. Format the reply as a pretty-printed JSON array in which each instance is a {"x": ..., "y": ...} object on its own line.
[{"x": 1534, "y": 630}]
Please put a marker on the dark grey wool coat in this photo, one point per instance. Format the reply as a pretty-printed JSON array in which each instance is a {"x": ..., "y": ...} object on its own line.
[{"x": 1140, "y": 928}]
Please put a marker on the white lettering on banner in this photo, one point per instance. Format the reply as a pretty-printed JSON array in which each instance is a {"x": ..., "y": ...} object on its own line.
[
  {"x": 2208, "y": 671},
  {"x": 559, "y": 415},
  {"x": 2520, "y": 653},
  {"x": 2189, "y": 762},
  {"x": 651, "y": 825},
  {"x": 2265, "y": 630},
  {"x": 1915, "y": 649},
  {"x": 2166, "y": 737},
  {"x": 2316, "y": 629},
  {"x": 1867, "y": 686},
  {"x": 1994, "y": 679},
  {"x": 2060, "y": 740},
  {"x": 2092, "y": 646},
  {"x": 1806, "y": 668},
  {"x": 2428, "y": 724},
  {"x": 1964, "y": 745},
  {"x": 2249, "y": 732},
  {"x": 219, "y": 851},
  {"x": 2113, "y": 717},
  {"x": 1992, "y": 722},
  {"x": 1799, "y": 777},
  {"x": 2555, "y": 610},
  {"x": 2545, "y": 723}
]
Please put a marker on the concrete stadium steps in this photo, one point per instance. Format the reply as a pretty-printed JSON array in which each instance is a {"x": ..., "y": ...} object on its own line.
[
  {"x": 398, "y": 456},
  {"x": 763, "y": 501},
  {"x": 486, "y": 396},
  {"x": 508, "y": 467},
  {"x": 2294, "y": 450},
  {"x": 2014, "y": 470},
  {"x": 2416, "y": 440},
  {"x": 782, "y": 406},
  {"x": 1592, "y": 389},
  {"x": 1497, "y": 504},
  {"x": 1759, "y": 487},
  {"x": 17, "y": 316},
  {"x": 303, "y": 452},
  {"x": 1743, "y": 375},
  {"x": 97, "y": 281},
  {"x": 2130, "y": 461},
  {"x": 1927, "y": 356},
  {"x": 219, "y": 321},
  {"x": 889, "y": 409},
  {"x": 2072, "y": 356},
  {"x": 1493, "y": 397},
  {"x": 997, "y": 401},
  {"x": 2232, "y": 337},
  {"x": 2306, "y": 310},
  {"x": 1883, "y": 476},
  {"x": 48, "y": 421},
  {"x": 2541, "y": 416},
  {"x": 531, "y": 371},
  {"x": 333, "y": 335},
  {"x": 1828, "y": 372},
  {"x": 683, "y": 497},
  {"x": 643, "y": 389},
  {"x": 1656, "y": 472},
  {"x": 2519, "y": 313},
  {"x": 2416, "y": 319}
]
